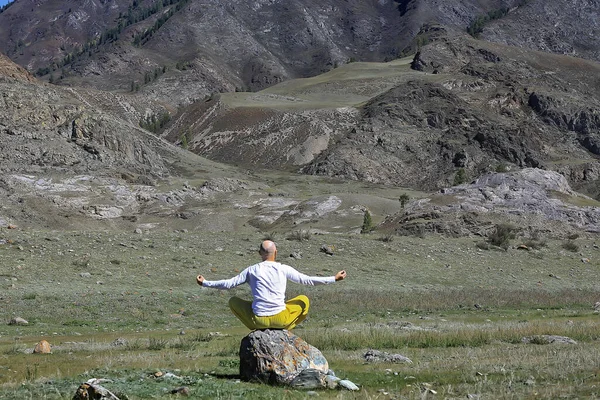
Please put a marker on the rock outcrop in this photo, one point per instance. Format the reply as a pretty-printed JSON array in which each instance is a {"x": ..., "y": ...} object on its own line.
[{"x": 533, "y": 199}]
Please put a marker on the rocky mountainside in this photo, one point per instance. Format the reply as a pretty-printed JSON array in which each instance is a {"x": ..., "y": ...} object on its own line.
[
  {"x": 90, "y": 145},
  {"x": 44, "y": 127},
  {"x": 566, "y": 27},
  {"x": 458, "y": 109},
  {"x": 178, "y": 51}
]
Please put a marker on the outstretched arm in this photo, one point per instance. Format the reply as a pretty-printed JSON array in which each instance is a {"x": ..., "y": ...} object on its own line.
[
  {"x": 304, "y": 279},
  {"x": 340, "y": 275},
  {"x": 225, "y": 283}
]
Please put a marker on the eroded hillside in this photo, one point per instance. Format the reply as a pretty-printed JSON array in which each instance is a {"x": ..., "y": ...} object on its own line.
[{"x": 460, "y": 105}]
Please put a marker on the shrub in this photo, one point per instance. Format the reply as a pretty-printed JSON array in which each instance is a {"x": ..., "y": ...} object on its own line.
[
  {"x": 157, "y": 344},
  {"x": 482, "y": 245},
  {"x": 270, "y": 236},
  {"x": 460, "y": 177},
  {"x": 299, "y": 235},
  {"x": 502, "y": 168},
  {"x": 570, "y": 246},
  {"x": 387, "y": 238},
  {"x": 535, "y": 244},
  {"x": 502, "y": 235}
]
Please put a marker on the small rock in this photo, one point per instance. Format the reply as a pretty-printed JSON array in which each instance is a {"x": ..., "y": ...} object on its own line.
[
  {"x": 42, "y": 347},
  {"x": 382, "y": 356},
  {"x": 327, "y": 249},
  {"x": 309, "y": 378},
  {"x": 18, "y": 321},
  {"x": 85, "y": 275},
  {"x": 332, "y": 381},
  {"x": 530, "y": 381},
  {"x": 346, "y": 384},
  {"x": 137, "y": 231},
  {"x": 522, "y": 247},
  {"x": 585, "y": 260},
  {"x": 296, "y": 254},
  {"x": 183, "y": 391},
  {"x": 119, "y": 342}
]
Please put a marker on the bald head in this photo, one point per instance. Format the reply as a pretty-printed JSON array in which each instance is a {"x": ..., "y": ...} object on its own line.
[{"x": 268, "y": 250}]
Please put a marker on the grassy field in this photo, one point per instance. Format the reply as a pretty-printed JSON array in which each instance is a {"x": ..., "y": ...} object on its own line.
[
  {"x": 124, "y": 306},
  {"x": 346, "y": 86}
]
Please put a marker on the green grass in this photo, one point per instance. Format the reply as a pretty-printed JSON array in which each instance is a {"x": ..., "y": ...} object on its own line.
[{"x": 457, "y": 311}]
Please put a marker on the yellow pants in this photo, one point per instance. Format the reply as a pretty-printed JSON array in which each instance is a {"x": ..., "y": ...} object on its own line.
[{"x": 295, "y": 312}]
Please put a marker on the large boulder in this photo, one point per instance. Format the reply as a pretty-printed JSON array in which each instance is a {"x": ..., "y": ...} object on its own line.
[{"x": 278, "y": 357}]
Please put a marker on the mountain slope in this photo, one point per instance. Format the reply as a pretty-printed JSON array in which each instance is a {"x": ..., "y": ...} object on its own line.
[
  {"x": 177, "y": 51},
  {"x": 462, "y": 104}
]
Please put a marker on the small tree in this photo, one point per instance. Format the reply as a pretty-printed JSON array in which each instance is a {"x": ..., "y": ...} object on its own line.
[
  {"x": 460, "y": 177},
  {"x": 367, "y": 225},
  {"x": 404, "y": 198}
]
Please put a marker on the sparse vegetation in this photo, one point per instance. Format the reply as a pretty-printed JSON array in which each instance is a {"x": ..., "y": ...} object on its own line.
[
  {"x": 476, "y": 26},
  {"x": 387, "y": 238},
  {"x": 142, "y": 38},
  {"x": 134, "y": 15},
  {"x": 535, "y": 244},
  {"x": 184, "y": 65},
  {"x": 154, "y": 123},
  {"x": 299, "y": 235},
  {"x": 502, "y": 235},
  {"x": 446, "y": 330},
  {"x": 501, "y": 168},
  {"x": 460, "y": 177},
  {"x": 272, "y": 236},
  {"x": 570, "y": 246}
]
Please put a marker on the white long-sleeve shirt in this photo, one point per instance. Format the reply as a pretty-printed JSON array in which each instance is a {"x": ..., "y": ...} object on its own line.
[{"x": 268, "y": 281}]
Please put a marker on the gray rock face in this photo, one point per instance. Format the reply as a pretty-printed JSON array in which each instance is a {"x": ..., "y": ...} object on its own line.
[
  {"x": 531, "y": 198},
  {"x": 279, "y": 357},
  {"x": 565, "y": 27}
]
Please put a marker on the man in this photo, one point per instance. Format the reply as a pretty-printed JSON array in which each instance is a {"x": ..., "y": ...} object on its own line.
[{"x": 268, "y": 280}]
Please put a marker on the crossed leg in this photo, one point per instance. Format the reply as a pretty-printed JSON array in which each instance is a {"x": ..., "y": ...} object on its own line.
[{"x": 296, "y": 310}]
